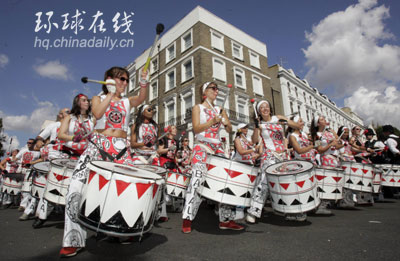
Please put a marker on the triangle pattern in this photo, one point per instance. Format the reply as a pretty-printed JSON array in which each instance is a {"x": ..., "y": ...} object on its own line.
[
  {"x": 360, "y": 183},
  {"x": 180, "y": 194},
  {"x": 252, "y": 178},
  {"x": 392, "y": 180},
  {"x": 59, "y": 177},
  {"x": 295, "y": 202},
  {"x": 349, "y": 181},
  {"x": 344, "y": 167},
  {"x": 312, "y": 179},
  {"x": 369, "y": 185},
  {"x": 319, "y": 189},
  {"x": 102, "y": 182},
  {"x": 169, "y": 174},
  {"x": 364, "y": 170},
  {"x": 91, "y": 175},
  {"x": 121, "y": 186},
  {"x": 354, "y": 169},
  {"x": 155, "y": 188},
  {"x": 227, "y": 191},
  {"x": 272, "y": 184},
  {"x": 337, "y": 191},
  {"x": 284, "y": 185},
  {"x": 210, "y": 167},
  {"x": 383, "y": 179},
  {"x": 319, "y": 177},
  {"x": 184, "y": 178},
  {"x": 246, "y": 195},
  {"x": 300, "y": 184},
  {"x": 55, "y": 192},
  {"x": 205, "y": 184},
  {"x": 233, "y": 173},
  {"x": 337, "y": 178},
  {"x": 310, "y": 198},
  {"x": 142, "y": 188},
  {"x": 280, "y": 202}
]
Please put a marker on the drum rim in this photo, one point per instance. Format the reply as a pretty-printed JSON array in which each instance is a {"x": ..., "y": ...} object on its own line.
[
  {"x": 352, "y": 162},
  {"x": 239, "y": 162},
  {"x": 286, "y": 174},
  {"x": 41, "y": 170},
  {"x": 138, "y": 177},
  {"x": 53, "y": 162},
  {"x": 183, "y": 174},
  {"x": 165, "y": 170},
  {"x": 329, "y": 168}
]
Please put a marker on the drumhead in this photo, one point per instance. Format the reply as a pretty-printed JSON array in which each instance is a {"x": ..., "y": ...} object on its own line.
[
  {"x": 15, "y": 176},
  {"x": 42, "y": 166},
  {"x": 289, "y": 167},
  {"x": 329, "y": 168},
  {"x": 155, "y": 169},
  {"x": 69, "y": 163},
  {"x": 125, "y": 169}
]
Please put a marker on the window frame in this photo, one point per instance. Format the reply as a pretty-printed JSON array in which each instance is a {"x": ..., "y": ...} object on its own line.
[{"x": 183, "y": 49}]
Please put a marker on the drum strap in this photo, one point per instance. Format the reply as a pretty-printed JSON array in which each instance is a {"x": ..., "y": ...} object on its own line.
[
  {"x": 105, "y": 155},
  {"x": 205, "y": 147}
]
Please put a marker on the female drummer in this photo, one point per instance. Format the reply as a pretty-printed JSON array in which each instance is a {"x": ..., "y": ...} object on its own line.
[
  {"x": 8, "y": 165},
  {"x": 207, "y": 119},
  {"x": 269, "y": 127},
  {"x": 144, "y": 136},
  {"x": 112, "y": 112},
  {"x": 183, "y": 156},
  {"x": 245, "y": 151},
  {"x": 74, "y": 134},
  {"x": 328, "y": 146},
  {"x": 167, "y": 148}
]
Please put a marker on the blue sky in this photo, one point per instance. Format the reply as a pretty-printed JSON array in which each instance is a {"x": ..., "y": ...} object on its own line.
[{"x": 33, "y": 89}]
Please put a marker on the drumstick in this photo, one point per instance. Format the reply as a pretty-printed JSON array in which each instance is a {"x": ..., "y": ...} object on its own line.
[
  {"x": 86, "y": 80},
  {"x": 227, "y": 95},
  {"x": 159, "y": 30}
]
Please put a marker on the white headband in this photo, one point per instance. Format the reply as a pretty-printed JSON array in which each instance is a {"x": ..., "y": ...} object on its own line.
[
  {"x": 316, "y": 119},
  {"x": 296, "y": 118},
  {"x": 205, "y": 86},
  {"x": 259, "y": 105},
  {"x": 145, "y": 106}
]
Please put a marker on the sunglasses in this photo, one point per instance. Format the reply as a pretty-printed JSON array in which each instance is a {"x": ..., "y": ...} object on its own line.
[
  {"x": 124, "y": 79},
  {"x": 214, "y": 88},
  {"x": 185, "y": 140},
  {"x": 357, "y": 129},
  {"x": 29, "y": 143},
  {"x": 150, "y": 109}
]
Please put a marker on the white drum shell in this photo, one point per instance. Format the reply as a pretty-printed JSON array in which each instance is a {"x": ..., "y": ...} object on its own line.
[
  {"x": 58, "y": 180},
  {"x": 358, "y": 176},
  {"x": 27, "y": 184},
  {"x": 177, "y": 184},
  {"x": 330, "y": 182},
  {"x": 293, "y": 193},
  {"x": 133, "y": 196},
  {"x": 40, "y": 179},
  {"x": 228, "y": 182},
  {"x": 390, "y": 175},
  {"x": 11, "y": 186}
]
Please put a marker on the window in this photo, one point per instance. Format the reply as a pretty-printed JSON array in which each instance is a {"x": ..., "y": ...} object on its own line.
[
  {"x": 305, "y": 97},
  {"x": 154, "y": 65},
  {"x": 153, "y": 90},
  {"x": 187, "y": 101},
  {"x": 220, "y": 98},
  {"x": 257, "y": 85},
  {"x": 217, "y": 41},
  {"x": 170, "y": 80},
  {"x": 310, "y": 101},
  {"x": 254, "y": 59},
  {"x": 295, "y": 90},
  {"x": 170, "y": 110},
  {"x": 219, "y": 71},
  {"x": 240, "y": 80},
  {"x": 242, "y": 109},
  {"x": 308, "y": 116},
  {"x": 291, "y": 107},
  {"x": 170, "y": 53},
  {"x": 186, "y": 41},
  {"x": 187, "y": 70},
  {"x": 299, "y": 110},
  {"x": 132, "y": 83},
  {"x": 237, "y": 51},
  {"x": 290, "y": 90}
]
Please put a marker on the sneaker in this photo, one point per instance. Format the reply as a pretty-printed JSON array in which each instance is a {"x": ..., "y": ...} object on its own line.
[
  {"x": 230, "y": 225},
  {"x": 126, "y": 240},
  {"x": 23, "y": 217},
  {"x": 163, "y": 219},
  {"x": 296, "y": 217},
  {"x": 250, "y": 218},
  {"x": 21, "y": 208},
  {"x": 69, "y": 251},
  {"x": 38, "y": 223},
  {"x": 187, "y": 226}
]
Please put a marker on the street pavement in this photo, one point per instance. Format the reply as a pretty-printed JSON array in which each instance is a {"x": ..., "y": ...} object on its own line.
[{"x": 367, "y": 233}]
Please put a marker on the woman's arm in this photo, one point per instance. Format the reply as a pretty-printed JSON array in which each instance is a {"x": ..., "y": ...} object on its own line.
[
  {"x": 99, "y": 107},
  {"x": 296, "y": 145},
  {"x": 62, "y": 133},
  {"x": 240, "y": 149},
  {"x": 197, "y": 127}
]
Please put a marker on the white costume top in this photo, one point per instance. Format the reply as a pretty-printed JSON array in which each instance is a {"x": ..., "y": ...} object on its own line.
[
  {"x": 116, "y": 116},
  {"x": 75, "y": 127},
  {"x": 50, "y": 131},
  {"x": 211, "y": 134},
  {"x": 272, "y": 135},
  {"x": 302, "y": 140},
  {"x": 327, "y": 137}
]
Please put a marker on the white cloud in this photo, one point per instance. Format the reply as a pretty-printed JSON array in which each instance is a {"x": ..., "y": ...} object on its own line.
[
  {"x": 350, "y": 53},
  {"x": 382, "y": 108},
  {"x": 346, "y": 50},
  {"x": 3, "y": 60},
  {"x": 10, "y": 142},
  {"x": 52, "y": 70},
  {"x": 33, "y": 122}
]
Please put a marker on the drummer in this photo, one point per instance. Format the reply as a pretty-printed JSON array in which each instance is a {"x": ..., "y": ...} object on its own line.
[
  {"x": 393, "y": 155},
  {"x": 74, "y": 132},
  {"x": 303, "y": 150},
  {"x": 244, "y": 149},
  {"x": 269, "y": 128},
  {"x": 183, "y": 156},
  {"x": 207, "y": 119},
  {"x": 328, "y": 146},
  {"x": 112, "y": 112},
  {"x": 358, "y": 148},
  {"x": 9, "y": 165}
]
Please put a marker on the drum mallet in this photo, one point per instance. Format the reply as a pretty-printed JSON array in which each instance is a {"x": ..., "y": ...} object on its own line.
[
  {"x": 159, "y": 30},
  {"x": 86, "y": 80}
]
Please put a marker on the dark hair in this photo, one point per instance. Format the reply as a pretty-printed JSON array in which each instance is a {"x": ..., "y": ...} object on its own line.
[
  {"x": 314, "y": 129},
  {"x": 113, "y": 72},
  {"x": 180, "y": 143},
  {"x": 289, "y": 129},
  {"x": 139, "y": 120},
  {"x": 340, "y": 131},
  {"x": 76, "y": 108}
]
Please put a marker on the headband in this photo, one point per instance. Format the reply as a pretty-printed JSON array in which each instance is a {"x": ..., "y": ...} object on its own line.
[
  {"x": 259, "y": 104},
  {"x": 81, "y": 95},
  {"x": 145, "y": 106},
  {"x": 205, "y": 86},
  {"x": 296, "y": 118},
  {"x": 316, "y": 119}
]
